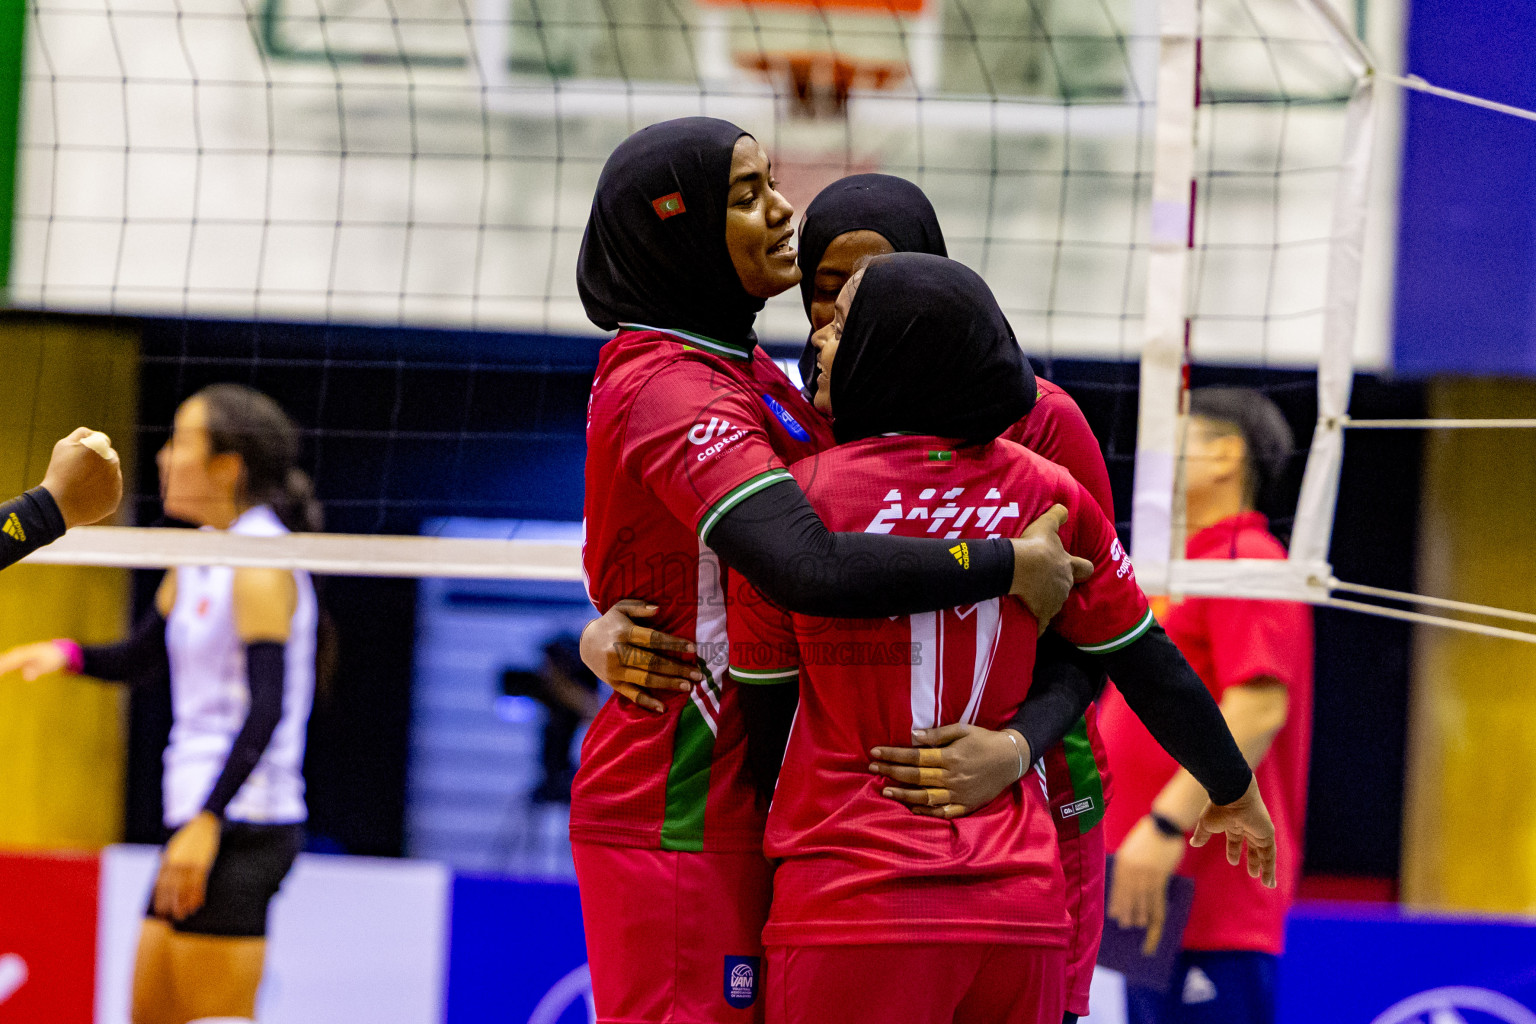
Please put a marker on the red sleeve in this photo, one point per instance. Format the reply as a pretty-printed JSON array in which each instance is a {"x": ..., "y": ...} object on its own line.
[
  {"x": 1254, "y": 639},
  {"x": 1107, "y": 611},
  {"x": 697, "y": 440},
  {"x": 1057, "y": 429},
  {"x": 762, "y": 635}
]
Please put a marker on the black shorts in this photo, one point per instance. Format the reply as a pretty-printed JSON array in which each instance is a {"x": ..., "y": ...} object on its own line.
[{"x": 251, "y": 864}]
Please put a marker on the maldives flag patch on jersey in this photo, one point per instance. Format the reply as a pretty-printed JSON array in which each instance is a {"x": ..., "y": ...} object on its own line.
[{"x": 669, "y": 206}]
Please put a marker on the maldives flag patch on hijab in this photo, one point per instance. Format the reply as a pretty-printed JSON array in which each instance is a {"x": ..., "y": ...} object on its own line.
[{"x": 669, "y": 206}]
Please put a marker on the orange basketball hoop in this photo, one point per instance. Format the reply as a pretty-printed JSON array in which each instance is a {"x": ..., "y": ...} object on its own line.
[{"x": 818, "y": 82}]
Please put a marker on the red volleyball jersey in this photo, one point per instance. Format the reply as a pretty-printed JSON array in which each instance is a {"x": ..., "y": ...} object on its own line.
[
  {"x": 1078, "y": 780},
  {"x": 1057, "y": 429},
  {"x": 858, "y": 866},
  {"x": 1230, "y": 642},
  {"x": 680, "y": 429}
]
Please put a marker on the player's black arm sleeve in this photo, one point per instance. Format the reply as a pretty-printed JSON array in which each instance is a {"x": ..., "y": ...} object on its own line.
[
  {"x": 138, "y": 658},
  {"x": 768, "y": 711},
  {"x": 1065, "y": 682},
  {"x": 1179, "y": 712},
  {"x": 778, "y": 542},
  {"x": 27, "y": 522},
  {"x": 264, "y": 669}
]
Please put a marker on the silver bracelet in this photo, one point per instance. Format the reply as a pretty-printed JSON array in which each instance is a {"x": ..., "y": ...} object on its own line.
[{"x": 1017, "y": 750}]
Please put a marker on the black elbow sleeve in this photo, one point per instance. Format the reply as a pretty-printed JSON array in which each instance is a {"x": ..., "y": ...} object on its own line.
[
  {"x": 778, "y": 542},
  {"x": 1180, "y": 713},
  {"x": 139, "y": 658},
  {"x": 1065, "y": 682},
  {"x": 265, "y": 672}
]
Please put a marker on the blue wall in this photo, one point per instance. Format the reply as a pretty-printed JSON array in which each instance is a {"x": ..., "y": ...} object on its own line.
[{"x": 1466, "y": 262}]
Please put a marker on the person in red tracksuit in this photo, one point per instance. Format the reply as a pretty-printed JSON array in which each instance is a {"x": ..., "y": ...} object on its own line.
[{"x": 1256, "y": 659}]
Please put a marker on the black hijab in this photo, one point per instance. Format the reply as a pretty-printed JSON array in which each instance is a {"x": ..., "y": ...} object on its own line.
[
  {"x": 926, "y": 350},
  {"x": 892, "y": 207},
  {"x": 654, "y": 250}
]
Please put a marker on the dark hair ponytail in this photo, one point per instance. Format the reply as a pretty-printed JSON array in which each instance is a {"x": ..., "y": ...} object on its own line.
[
  {"x": 251, "y": 425},
  {"x": 247, "y": 423}
]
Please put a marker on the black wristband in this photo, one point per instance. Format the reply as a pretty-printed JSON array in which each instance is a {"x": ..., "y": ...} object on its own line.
[{"x": 1167, "y": 826}]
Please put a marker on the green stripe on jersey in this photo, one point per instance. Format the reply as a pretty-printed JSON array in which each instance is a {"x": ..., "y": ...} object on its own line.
[
  {"x": 764, "y": 676},
  {"x": 1087, "y": 783},
  {"x": 1125, "y": 639},
  {"x": 693, "y": 753},
  {"x": 736, "y": 495},
  {"x": 714, "y": 346}
]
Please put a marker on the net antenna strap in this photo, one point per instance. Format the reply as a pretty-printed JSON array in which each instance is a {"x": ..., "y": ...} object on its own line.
[{"x": 1155, "y": 504}]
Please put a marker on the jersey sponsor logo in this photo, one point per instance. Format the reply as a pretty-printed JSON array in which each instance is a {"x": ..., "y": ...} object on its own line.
[
  {"x": 741, "y": 981},
  {"x": 791, "y": 424},
  {"x": 962, "y": 553},
  {"x": 1117, "y": 554},
  {"x": 718, "y": 434},
  {"x": 13, "y": 528},
  {"x": 669, "y": 206},
  {"x": 943, "y": 512},
  {"x": 1082, "y": 806}
]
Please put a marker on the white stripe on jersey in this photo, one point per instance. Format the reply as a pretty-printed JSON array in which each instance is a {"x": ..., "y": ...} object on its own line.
[
  {"x": 710, "y": 637},
  {"x": 989, "y": 618},
  {"x": 925, "y": 669}
]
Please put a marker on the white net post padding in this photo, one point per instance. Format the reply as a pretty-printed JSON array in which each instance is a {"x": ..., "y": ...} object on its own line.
[
  {"x": 1335, "y": 367},
  {"x": 1306, "y": 574},
  {"x": 1157, "y": 505},
  {"x": 1154, "y": 505}
]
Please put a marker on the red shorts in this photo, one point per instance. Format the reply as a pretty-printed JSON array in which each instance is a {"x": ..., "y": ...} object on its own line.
[
  {"x": 674, "y": 938},
  {"x": 917, "y": 983},
  {"x": 1082, "y": 862}
]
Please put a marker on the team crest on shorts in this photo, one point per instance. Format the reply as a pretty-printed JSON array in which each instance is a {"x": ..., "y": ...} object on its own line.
[{"x": 741, "y": 981}]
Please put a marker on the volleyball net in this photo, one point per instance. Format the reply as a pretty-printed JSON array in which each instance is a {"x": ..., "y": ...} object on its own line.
[{"x": 1162, "y": 183}]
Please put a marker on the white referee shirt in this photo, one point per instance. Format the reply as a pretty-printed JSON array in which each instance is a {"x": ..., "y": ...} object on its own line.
[{"x": 210, "y": 694}]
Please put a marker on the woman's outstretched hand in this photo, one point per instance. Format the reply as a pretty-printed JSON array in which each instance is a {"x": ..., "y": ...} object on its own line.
[
  {"x": 1244, "y": 821},
  {"x": 34, "y": 660}
]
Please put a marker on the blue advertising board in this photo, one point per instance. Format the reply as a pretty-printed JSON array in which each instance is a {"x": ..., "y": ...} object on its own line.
[
  {"x": 1370, "y": 966},
  {"x": 1466, "y": 255},
  {"x": 516, "y": 953}
]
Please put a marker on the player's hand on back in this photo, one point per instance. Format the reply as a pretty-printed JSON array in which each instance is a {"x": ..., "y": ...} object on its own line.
[
  {"x": 1043, "y": 571},
  {"x": 85, "y": 477},
  {"x": 633, "y": 658},
  {"x": 34, "y": 660},
  {"x": 952, "y": 770},
  {"x": 1244, "y": 821}
]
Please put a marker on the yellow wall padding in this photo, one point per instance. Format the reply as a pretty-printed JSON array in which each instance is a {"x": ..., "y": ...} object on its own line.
[
  {"x": 61, "y": 739},
  {"x": 1469, "y": 838}
]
